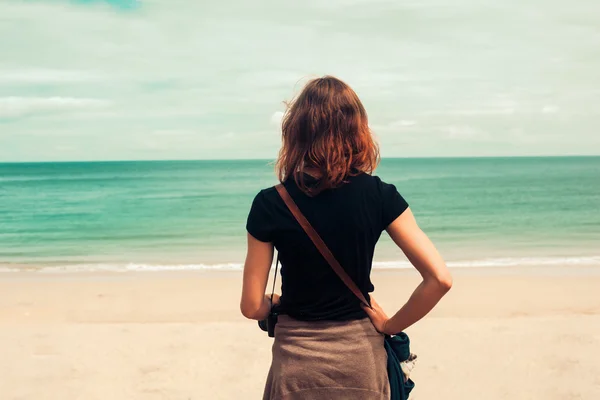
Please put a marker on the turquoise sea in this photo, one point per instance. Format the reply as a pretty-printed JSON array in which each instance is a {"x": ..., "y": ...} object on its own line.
[{"x": 155, "y": 215}]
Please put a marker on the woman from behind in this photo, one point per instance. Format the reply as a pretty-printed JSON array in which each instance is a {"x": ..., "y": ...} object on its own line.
[{"x": 327, "y": 345}]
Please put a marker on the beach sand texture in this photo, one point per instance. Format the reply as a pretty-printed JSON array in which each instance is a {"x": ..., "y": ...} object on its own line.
[{"x": 500, "y": 334}]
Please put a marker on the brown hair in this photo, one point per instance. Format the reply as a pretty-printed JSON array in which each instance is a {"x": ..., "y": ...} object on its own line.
[{"x": 326, "y": 130}]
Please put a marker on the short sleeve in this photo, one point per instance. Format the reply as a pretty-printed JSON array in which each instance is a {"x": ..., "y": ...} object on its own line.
[
  {"x": 260, "y": 221},
  {"x": 393, "y": 204}
]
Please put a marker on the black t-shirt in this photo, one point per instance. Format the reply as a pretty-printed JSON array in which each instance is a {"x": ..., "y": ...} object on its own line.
[{"x": 349, "y": 219}]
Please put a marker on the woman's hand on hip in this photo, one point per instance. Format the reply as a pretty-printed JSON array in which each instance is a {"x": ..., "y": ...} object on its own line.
[
  {"x": 276, "y": 299},
  {"x": 378, "y": 317}
]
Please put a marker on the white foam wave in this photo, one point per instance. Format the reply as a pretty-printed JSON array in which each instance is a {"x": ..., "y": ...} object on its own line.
[
  {"x": 120, "y": 267},
  {"x": 502, "y": 262},
  {"x": 400, "y": 264}
]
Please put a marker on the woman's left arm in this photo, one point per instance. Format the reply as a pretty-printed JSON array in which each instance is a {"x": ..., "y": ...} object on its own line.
[{"x": 255, "y": 303}]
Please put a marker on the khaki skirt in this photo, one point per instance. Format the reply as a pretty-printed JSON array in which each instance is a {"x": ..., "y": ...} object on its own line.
[{"x": 327, "y": 360}]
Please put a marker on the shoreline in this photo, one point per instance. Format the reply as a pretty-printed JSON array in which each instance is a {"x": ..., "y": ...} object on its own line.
[{"x": 585, "y": 261}]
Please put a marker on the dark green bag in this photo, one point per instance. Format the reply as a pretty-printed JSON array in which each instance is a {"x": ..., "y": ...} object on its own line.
[
  {"x": 396, "y": 346},
  {"x": 398, "y": 350}
]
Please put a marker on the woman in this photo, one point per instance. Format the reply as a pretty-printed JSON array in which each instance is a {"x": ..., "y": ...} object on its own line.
[{"x": 328, "y": 346}]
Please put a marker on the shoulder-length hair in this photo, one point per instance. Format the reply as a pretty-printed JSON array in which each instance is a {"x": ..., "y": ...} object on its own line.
[{"x": 326, "y": 130}]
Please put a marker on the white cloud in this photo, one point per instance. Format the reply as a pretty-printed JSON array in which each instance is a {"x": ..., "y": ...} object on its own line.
[
  {"x": 550, "y": 109},
  {"x": 42, "y": 75},
  {"x": 403, "y": 124},
  {"x": 463, "y": 133},
  {"x": 474, "y": 112},
  {"x": 277, "y": 117},
  {"x": 65, "y": 148},
  {"x": 14, "y": 107},
  {"x": 173, "y": 132}
]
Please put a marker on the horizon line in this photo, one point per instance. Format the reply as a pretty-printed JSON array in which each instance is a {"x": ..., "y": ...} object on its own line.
[{"x": 272, "y": 160}]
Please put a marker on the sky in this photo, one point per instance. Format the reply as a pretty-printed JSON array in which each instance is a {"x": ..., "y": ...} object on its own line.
[{"x": 173, "y": 79}]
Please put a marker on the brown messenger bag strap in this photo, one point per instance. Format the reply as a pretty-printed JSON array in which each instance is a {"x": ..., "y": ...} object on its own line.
[{"x": 320, "y": 245}]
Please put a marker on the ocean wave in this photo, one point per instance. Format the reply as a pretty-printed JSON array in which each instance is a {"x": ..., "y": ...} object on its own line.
[
  {"x": 129, "y": 267},
  {"x": 400, "y": 264},
  {"x": 501, "y": 262}
]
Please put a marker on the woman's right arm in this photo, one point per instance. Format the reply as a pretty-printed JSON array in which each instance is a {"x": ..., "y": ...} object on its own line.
[{"x": 423, "y": 255}]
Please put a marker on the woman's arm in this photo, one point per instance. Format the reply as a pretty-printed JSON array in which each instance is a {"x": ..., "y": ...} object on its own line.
[
  {"x": 255, "y": 304},
  {"x": 421, "y": 252}
]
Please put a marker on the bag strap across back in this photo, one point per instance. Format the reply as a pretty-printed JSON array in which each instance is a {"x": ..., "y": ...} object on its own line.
[{"x": 320, "y": 244}]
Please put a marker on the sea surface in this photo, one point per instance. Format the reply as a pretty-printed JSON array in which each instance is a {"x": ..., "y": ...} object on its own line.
[{"x": 162, "y": 215}]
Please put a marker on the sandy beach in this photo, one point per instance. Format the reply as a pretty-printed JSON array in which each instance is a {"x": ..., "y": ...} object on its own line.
[{"x": 518, "y": 333}]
